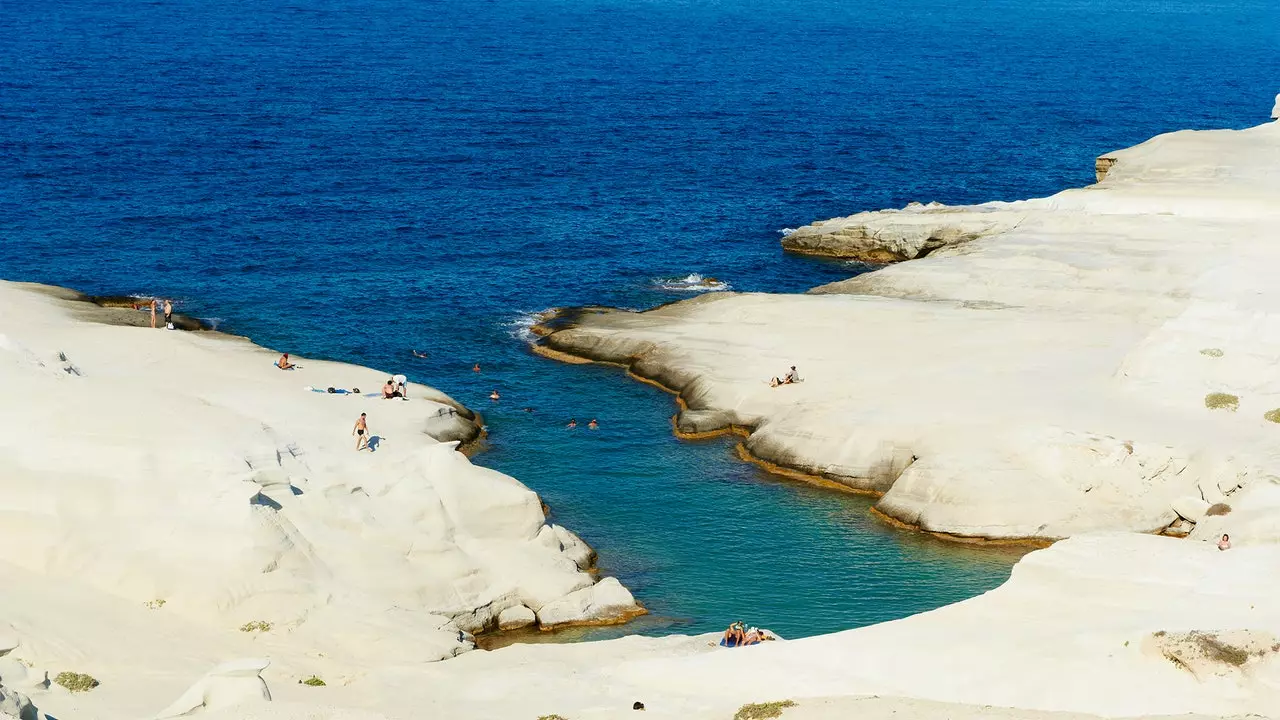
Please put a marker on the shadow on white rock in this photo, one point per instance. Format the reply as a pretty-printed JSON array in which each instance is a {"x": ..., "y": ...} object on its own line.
[{"x": 230, "y": 684}]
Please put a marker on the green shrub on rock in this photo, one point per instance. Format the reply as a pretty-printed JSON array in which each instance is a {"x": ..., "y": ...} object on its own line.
[
  {"x": 1222, "y": 401},
  {"x": 1272, "y": 415},
  {"x": 255, "y": 626},
  {"x": 1211, "y": 352},
  {"x": 313, "y": 681},
  {"x": 75, "y": 682}
]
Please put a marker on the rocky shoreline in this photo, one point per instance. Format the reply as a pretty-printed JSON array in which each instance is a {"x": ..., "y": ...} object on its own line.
[
  {"x": 180, "y": 479},
  {"x": 1032, "y": 370}
]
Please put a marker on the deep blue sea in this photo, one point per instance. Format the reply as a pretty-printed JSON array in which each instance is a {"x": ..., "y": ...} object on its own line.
[{"x": 355, "y": 179}]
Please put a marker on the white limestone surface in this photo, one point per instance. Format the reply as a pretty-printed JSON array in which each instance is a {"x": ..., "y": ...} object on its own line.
[
  {"x": 1112, "y": 625},
  {"x": 188, "y": 476},
  {"x": 1085, "y": 364},
  {"x": 1106, "y": 624}
]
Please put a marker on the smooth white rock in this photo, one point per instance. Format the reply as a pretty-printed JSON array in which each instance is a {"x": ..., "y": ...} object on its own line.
[
  {"x": 185, "y": 467},
  {"x": 1047, "y": 378},
  {"x": 1191, "y": 508},
  {"x": 516, "y": 617},
  {"x": 231, "y": 684},
  {"x": 605, "y": 601}
]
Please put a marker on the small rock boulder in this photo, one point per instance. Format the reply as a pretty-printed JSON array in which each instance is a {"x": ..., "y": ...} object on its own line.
[
  {"x": 514, "y": 618},
  {"x": 605, "y": 602},
  {"x": 698, "y": 422},
  {"x": 1191, "y": 508}
]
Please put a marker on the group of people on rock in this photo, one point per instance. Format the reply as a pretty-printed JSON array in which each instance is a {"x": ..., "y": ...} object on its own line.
[
  {"x": 738, "y": 635},
  {"x": 154, "y": 304},
  {"x": 396, "y": 387}
]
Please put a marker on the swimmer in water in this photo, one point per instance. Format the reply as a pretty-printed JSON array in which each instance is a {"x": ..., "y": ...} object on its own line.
[
  {"x": 593, "y": 424},
  {"x": 475, "y": 368},
  {"x": 573, "y": 423},
  {"x": 418, "y": 353},
  {"x": 528, "y": 410},
  {"x": 494, "y": 395}
]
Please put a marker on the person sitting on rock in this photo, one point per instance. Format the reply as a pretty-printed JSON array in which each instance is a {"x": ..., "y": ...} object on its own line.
[
  {"x": 792, "y": 377},
  {"x": 389, "y": 390},
  {"x": 284, "y": 364},
  {"x": 733, "y": 636},
  {"x": 1224, "y": 543}
]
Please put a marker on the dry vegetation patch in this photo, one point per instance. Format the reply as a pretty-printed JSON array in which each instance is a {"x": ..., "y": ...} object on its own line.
[
  {"x": 762, "y": 711},
  {"x": 1222, "y": 401}
]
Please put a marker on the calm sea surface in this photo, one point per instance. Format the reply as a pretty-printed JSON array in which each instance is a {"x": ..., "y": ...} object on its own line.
[{"x": 353, "y": 180}]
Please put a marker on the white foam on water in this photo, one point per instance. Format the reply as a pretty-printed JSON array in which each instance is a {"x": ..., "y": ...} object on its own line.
[
  {"x": 693, "y": 282},
  {"x": 786, "y": 231},
  {"x": 521, "y": 328}
]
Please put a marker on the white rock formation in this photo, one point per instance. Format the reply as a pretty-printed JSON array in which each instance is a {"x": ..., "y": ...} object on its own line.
[
  {"x": 1081, "y": 363},
  {"x": 184, "y": 472},
  {"x": 606, "y": 601},
  {"x": 883, "y": 236},
  {"x": 231, "y": 684},
  {"x": 514, "y": 618},
  {"x": 1074, "y": 629},
  {"x": 17, "y": 706},
  {"x": 1054, "y": 379}
]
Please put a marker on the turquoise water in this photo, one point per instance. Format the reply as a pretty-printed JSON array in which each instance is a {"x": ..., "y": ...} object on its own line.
[{"x": 352, "y": 179}]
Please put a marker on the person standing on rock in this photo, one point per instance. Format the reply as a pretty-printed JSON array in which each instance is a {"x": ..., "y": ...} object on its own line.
[
  {"x": 153, "y": 313},
  {"x": 168, "y": 314},
  {"x": 361, "y": 431}
]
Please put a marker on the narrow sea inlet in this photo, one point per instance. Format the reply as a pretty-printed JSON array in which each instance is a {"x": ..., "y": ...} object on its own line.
[{"x": 702, "y": 537}]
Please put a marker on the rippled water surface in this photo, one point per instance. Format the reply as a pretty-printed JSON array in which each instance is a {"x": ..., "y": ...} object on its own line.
[{"x": 355, "y": 179}]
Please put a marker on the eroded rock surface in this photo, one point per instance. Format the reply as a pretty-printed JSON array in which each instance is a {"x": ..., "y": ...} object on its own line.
[{"x": 1055, "y": 374}]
